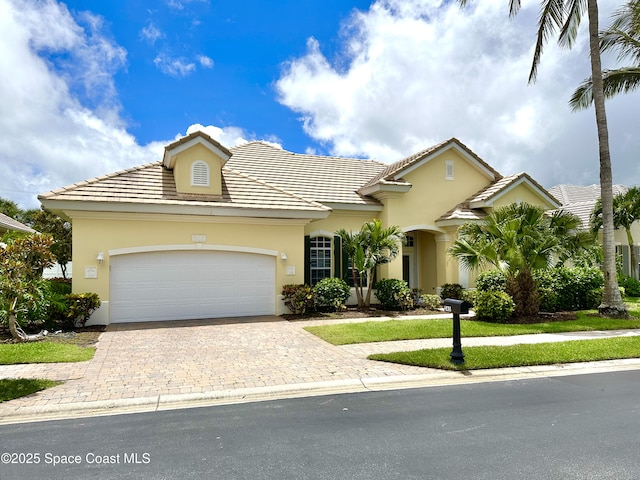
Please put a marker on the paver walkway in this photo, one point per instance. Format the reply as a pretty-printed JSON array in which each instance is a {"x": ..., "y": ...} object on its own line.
[{"x": 150, "y": 362}]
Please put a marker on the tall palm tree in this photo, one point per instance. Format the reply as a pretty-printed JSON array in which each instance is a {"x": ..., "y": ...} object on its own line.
[
  {"x": 565, "y": 16},
  {"x": 518, "y": 239},
  {"x": 626, "y": 211},
  {"x": 623, "y": 36},
  {"x": 373, "y": 245}
]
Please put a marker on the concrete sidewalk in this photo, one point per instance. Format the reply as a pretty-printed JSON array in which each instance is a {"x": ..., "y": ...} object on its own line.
[{"x": 154, "y": 366}]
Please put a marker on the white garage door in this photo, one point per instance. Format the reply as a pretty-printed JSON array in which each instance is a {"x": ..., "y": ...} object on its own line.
[{"x": 181, "y": 285}]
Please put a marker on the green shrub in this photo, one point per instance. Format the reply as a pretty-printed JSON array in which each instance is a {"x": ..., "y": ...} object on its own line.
[
  {"x": 430, "y": 301},
  {"x": 491, "y": 280},
  {"x": 331, "y": 293},
  {"x": 631, "y": 286},
  {"x": 394, "y": 294},
  {"x": 494, "y": 306},
  {"x": 81, "y": 306},
  {"x": 451, "y": 290},
  {"x": 469, "y": 296},
  {"x": 60, "y": 285},
  {"x": 298, "y": 298}
]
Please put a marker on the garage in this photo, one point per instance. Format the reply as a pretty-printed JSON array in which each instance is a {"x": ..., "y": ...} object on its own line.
[{"x": 180, "y": 285}]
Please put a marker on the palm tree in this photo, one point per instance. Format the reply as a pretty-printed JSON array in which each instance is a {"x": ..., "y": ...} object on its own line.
[
  {"x": 624, "y": 36},
  {"x": 518, "y": 239},
  {"x": 566, "y": 15},
  {"x": 373, "y": 245},
  {"x": 626, "y": 211}
]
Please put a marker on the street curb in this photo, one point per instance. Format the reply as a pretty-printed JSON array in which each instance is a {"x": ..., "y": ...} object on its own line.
[{"x": 244, "y": 395}]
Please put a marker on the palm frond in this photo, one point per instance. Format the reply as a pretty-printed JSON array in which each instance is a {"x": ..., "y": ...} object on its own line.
[
  {"x": 552, "y": 16},
  {"x": 616, "y": 82}
]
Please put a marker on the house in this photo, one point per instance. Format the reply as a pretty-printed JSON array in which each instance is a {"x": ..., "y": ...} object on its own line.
[
  {"x": 580, "y": 200},
  {"x": 9, "y": 224},
  {"x": 214, "y": 232}
]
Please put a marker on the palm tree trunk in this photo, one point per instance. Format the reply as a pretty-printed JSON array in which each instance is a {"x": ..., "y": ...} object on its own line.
[{"x": 612, "y": 303}]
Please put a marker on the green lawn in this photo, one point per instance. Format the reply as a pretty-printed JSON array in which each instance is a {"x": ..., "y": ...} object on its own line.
[
  {"x": 384, "y": 331},
  {"x": 520, "y": 355},
  {"x": 43, "y": 352},
  {"x": 19, "y": 387}
]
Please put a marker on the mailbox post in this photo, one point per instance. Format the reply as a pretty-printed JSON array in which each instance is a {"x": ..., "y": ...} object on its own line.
[{"x": 456, "y": 307}]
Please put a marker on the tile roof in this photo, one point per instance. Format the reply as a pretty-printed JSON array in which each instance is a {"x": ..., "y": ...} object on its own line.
[
  {"x": 580, "y": 199},
  {"x": 392, "y": 170},
  {"x": 324, "y": 179},
  {"x": 469, "y": 209},
  {"x": 8, "y": 223},
  {"x": 154, "y": 184}
]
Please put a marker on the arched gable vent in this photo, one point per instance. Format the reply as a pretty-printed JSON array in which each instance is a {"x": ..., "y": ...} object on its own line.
[{"x": 199, "y": 174}]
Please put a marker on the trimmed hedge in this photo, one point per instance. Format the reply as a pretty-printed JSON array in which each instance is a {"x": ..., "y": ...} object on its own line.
[
  {"x": 331, "y": 293},
  {"x": 394, "y": 294},
  {"x": 494, "y": 306}
]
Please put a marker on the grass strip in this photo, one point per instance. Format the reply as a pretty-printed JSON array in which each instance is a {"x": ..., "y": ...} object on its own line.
[
  {"x": 19, "y": 387},
  {"x": 43, "y": 352},
  {"x": 572, "y": 351},
  {"x": 390, "y": 330}
]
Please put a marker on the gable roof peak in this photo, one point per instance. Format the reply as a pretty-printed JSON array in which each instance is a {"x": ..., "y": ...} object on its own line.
[{"x": 186, "y": 142}]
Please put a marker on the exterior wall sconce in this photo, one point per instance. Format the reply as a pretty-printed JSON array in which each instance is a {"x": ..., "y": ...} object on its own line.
[
  {"x": 100, "y": 257},
  {"x": 283, "y": 256}
]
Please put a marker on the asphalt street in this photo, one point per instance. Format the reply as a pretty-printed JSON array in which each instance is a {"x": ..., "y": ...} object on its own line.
[{"x": 570, "y": 427}]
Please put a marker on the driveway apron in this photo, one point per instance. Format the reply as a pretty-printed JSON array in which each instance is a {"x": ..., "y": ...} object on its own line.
[{"x": 190, "y": 357}]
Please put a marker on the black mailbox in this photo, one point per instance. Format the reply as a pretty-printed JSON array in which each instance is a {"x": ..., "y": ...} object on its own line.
[{"x": 454, "y": 305}]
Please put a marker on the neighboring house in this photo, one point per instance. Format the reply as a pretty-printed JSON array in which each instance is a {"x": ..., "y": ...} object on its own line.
[
  {"x": 7, "y": 223},
  {"x": 580, "y": 200},
  {"x": 213, "y": 232}
]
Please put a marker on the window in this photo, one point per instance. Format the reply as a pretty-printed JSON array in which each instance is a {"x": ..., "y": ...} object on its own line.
[
  {"x": 199, "y": 174},
  {"x": 449, "y": 169},
  {"x": 409, "y": 241},
  {"x": 320, "y": 258}
]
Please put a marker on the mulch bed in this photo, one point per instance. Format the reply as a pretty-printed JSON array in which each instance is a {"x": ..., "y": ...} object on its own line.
[{"x": 82, "y": 336}]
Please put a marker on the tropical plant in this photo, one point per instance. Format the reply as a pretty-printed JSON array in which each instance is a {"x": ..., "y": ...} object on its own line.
[
  {"x": 622, "y": 35},
  {"x": 626, "y": 211},
  {"x": 298, "y": 298},
  {"x": 566, "y": 16},
  {"x": 372, "y": 246},
  {"x": 518, "y": 239},
  {"x": 45, "y": 221},
  {"x": 21, "y": 283}
]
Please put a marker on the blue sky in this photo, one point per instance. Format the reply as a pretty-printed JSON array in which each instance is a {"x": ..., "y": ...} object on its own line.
[{"x": 92, "y": 87}]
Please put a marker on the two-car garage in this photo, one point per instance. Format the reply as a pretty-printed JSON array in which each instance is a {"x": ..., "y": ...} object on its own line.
[{"x": 190, "y": 284}]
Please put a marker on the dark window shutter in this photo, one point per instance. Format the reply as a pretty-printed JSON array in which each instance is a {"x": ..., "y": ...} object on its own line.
[
  {"x": 307, "y": 259},
  {"x": 338, "y": 266}
]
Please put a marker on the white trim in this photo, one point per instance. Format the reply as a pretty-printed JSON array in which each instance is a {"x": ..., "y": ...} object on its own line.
[
  {"x": 440, "y": 151},
  {"x": 322, "y": 233},
  {"x": 493, "y": 198},
  {"x": 169, "y": 158},
  {"x": 354, "y": 207},
  {"x": 423, "y": 226},
  {"x": 191, "y": 246},
  {"x": 208, "y": 210}
]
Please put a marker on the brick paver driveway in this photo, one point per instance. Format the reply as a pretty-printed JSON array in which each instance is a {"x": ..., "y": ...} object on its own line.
[{"x": 168, "y": 358}]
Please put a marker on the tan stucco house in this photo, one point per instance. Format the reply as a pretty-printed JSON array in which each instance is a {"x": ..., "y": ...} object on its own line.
[{"x": 212, "y": 232}]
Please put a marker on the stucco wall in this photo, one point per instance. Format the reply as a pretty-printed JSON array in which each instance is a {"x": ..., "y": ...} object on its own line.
[
  {"x": 182, "y": 170},
  {"x": 118, "y": 231}
]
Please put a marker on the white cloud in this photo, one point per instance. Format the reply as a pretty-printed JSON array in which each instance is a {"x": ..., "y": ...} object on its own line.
[
  {"x": 174, "y": 66},
  {"x": 229, "y": 136},
  {"x": 412, "y": 74},
  {"x": 151, "y": 34},
  {"x": 205, "y": 61},
  {"x": 60, "y": 124}
]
